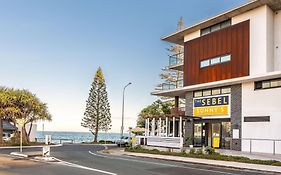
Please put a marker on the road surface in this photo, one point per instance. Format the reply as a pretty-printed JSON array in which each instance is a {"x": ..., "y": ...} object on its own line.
[{"x": 84, "y": 159}]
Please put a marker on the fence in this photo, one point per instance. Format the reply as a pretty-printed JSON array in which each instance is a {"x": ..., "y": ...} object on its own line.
[{"x": 54, "y": 140}]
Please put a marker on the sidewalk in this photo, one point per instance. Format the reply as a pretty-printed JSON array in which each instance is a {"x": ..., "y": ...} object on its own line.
[
  {"x": 238, "y": 165},
  {"x": 260, "y": 156},
  {"x": 7, "y": 162},
  {"x": 254, "y": 155}
]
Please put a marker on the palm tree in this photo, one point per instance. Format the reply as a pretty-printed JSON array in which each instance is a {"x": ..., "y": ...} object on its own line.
[
  {"x": 31, "y": 109},
  {"x": 7, "y": 109},
  {"x": 15, "y": 103}
]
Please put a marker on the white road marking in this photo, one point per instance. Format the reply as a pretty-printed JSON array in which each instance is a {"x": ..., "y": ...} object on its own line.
[
  {"x": 163, "y": 164},
  {"x": 61, "y": 162}
]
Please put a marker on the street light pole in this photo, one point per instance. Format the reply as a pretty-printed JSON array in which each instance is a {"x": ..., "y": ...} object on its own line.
[{"x": 122, "y": 126}]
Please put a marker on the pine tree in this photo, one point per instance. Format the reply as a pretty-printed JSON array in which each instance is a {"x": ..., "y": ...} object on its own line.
[{"x": 97, "y": 115}]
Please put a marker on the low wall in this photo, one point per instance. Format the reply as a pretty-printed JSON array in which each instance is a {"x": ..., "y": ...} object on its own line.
[{"x": 170, "y": 142}]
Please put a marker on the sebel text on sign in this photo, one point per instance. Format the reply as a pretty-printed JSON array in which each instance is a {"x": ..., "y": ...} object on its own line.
[{"x": 211, "y": 106}]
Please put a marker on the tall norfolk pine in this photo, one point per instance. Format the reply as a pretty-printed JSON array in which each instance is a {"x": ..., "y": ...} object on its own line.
[{"x": 97, "y": 115}]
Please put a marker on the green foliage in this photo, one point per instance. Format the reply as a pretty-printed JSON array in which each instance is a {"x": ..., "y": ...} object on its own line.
[
  {"x": 156, "y": 108},
  {"x": 199, "y": 151},
  {"x": 106, "y": 141},
  {"x": 15, "y": 141},
  {"x": 197, "y": 154},
  {"x": 209, "y": 150},
  {"x": 18, "y": 103},
  {"x": 192, "y": 151},
  {"x": 97, "y": 115}
]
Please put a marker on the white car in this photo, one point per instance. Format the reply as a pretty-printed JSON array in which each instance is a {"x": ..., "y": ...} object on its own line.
[{"x": 124, "y": 141}]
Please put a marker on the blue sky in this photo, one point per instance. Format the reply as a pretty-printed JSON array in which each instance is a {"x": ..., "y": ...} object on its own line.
[{"x": 53, "y": 48}]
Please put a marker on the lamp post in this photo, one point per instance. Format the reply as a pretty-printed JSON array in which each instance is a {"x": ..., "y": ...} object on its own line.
[{"x": 122, "y": 126}]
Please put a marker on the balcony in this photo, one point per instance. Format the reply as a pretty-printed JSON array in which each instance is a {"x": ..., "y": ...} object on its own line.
[
  {"x": 169, "y": 85},
  {"x": 176, "y": 61},
  {"x": 180, "y": 111}
]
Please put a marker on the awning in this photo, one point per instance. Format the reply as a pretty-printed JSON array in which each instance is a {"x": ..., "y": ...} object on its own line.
[{"x": 7, "y": 126}]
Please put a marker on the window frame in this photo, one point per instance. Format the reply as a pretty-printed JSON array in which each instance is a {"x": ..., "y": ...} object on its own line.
[
  {"x": 213, "y": 58},
  {"x": 258, "y": 85},
  {"x": 211, "y": 90},
  {"x": 221, "y": 25}
]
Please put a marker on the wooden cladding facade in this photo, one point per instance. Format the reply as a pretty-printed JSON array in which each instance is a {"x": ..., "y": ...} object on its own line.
[{"x": 233, "y": 40}]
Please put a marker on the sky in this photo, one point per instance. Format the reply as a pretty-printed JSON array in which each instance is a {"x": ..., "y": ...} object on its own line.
[{"x": 53, "y": 48}]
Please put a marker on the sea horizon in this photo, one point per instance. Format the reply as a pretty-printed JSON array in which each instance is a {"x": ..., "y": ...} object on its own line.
[{"x": 76, "y": 137}]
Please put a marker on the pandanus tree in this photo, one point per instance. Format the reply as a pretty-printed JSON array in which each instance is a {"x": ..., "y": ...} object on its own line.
[
  {"x": 7, "y": 108},
  {"x": 22, "y": 104}
]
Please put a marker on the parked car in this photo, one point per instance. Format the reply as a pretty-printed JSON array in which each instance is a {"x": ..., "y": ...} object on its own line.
[
  {"x": 123, "y": 141},
  {"x": 6, "y": 137}
]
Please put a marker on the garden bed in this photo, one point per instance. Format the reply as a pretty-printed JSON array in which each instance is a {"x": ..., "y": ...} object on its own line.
[{"x": 209, "y": 153}]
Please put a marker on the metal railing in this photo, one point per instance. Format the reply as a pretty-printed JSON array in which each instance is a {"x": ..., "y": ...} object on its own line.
[
  {"x": 170, "y": 86},
  {"x": 176, "y": 59},
  {"x": 60, "y": 140}
]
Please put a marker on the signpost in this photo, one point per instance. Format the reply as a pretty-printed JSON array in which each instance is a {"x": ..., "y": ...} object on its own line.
[
  {"x": 46, "y": 151},
  {"x": 211, "y": 106},
  {"x": 20, "y": 123}
]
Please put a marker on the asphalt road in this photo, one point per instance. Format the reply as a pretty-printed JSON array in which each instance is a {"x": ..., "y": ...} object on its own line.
[{"x": 84, "y": 159}]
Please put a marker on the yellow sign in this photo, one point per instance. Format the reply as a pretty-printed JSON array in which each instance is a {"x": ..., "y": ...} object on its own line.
[
  {"x": 211, "y": 106},
  {"x": 216, "y": 142},
  {"x": 210, "y": 110},
  {"x": 20, "y": 121}
]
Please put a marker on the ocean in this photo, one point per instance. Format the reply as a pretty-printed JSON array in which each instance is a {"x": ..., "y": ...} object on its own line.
[{"x": 77, "y": 137}]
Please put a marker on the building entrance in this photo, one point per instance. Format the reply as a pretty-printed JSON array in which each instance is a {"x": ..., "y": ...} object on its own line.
[{"x": 216, "y": 134}]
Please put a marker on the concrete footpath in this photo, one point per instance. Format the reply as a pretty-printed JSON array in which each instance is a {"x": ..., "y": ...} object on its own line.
[{"x": 238, "y": 165}]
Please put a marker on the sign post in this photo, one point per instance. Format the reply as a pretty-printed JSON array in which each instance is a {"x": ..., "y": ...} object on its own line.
[{"x": 20, "y": 122}]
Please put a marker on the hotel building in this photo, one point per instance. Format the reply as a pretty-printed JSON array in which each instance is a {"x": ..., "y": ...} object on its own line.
[{"x": 231, "y": 83}]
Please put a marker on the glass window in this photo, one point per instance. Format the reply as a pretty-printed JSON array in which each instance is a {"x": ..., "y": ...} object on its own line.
[
  {"x": 225, "y": 24},
  {"x": 215, "y": 60},
  {"x": 216, "y": 91},
  {"x": 275, "y": 83},
  {"x": 258, "y": 85},
  {"x": 204, "y": 63},
  {"x": 215, "y": 27},
  {"x": 225, "y": 58},
  {"x": 226, "y": 90},
  {"x": 198, "y": 94},
  {"x": 206, "y": 92},
  {"x": 205, "y": 31},
  {"x": 265, "y": 84}
]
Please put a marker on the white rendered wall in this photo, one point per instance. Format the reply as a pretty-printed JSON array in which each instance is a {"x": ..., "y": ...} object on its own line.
[
  {"x": 33, "y": 131},
  {"x": 261, "y": 103},
  {"x": 192, "y": 36},
  {"x": 277, "y": 41},
  {"x": 261, "y": 38}
]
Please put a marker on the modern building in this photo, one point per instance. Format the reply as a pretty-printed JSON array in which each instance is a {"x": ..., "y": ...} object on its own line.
[{"x": 231, "y": 83}]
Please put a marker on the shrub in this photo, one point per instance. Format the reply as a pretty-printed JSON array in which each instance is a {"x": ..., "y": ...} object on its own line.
[
  {"x": 209, "y": 150},
  {"x": 15, "y": 141},
  {"x": 211, "y": 155},
  {"x": 192, "y": 151},
  {"x": 199, "y": 151}
]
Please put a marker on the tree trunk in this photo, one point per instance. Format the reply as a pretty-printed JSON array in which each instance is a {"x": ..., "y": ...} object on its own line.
[
  {"x": 25, "y": 138},
  {"x": 96, "y": 136},
  {"x": 1, "y": 131},
  {"x": 30, "y": 128}
]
